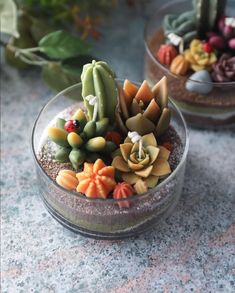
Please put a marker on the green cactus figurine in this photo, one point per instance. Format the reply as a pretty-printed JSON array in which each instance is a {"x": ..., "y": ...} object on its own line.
[
  {"x": 207, "y": 13},
  {"x": 98, "y": 80},
  {"x": 190, "y": 24}
]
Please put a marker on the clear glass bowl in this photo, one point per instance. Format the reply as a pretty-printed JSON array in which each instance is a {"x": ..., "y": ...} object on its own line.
[
  {"x": 102, "y": 218},
  {"x": 214, "y": 109}
]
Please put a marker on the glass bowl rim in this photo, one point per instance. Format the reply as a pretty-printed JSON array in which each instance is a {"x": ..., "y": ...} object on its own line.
[
  {"x": 110, "y": 200},
  {"x": 164, "y": 68}
]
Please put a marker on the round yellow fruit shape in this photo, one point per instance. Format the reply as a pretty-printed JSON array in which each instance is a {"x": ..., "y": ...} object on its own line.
[{"x": 179, "y": 65}]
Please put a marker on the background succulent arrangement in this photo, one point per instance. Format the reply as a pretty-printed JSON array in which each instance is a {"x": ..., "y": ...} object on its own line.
[{"x": 207, "y": 37}]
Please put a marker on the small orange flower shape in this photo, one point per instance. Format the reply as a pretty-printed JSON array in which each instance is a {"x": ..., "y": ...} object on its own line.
[
  {"x": 67, "y": 179},
  {"x": 96, "y": 180},
  {"x": 123, "y": 190}
]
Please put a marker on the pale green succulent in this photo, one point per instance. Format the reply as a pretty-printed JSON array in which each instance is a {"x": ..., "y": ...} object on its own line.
[{"x": 149, "y": 167}]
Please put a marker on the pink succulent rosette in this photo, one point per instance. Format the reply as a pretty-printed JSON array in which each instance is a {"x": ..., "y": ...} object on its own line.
[{"x": 224, "y": 69}]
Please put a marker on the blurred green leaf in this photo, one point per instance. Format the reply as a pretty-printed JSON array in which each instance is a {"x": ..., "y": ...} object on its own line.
[
  {"x": 8, "y": 16},
  {"x": 74, "y": 65},
  {"x": 62, "y": 45},
  {"x": 57, "y": 79}
]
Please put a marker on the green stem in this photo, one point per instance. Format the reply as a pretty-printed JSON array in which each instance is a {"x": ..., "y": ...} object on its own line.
[
  {"x": 27, "y": 55},
  {"x": 35, "y": 49},
  {"x": 31, "y": 62},
  {"x": 32, "y": 56}
]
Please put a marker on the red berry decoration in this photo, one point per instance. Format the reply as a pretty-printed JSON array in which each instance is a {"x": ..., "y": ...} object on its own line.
[
  {"x": 113, "y": 136},
  {"x": 166, "y": 54},
  {"x": 69, "y": 126},
  {"x": 217, "y": 42},
  {"x": 167, "y": 146},
  {"x": 123, "y": 190},
  {"x": 207, "y": 48}
]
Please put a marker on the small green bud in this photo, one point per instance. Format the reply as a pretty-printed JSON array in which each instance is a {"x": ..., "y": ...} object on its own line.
[
  {"x": 58, "y": 135},
  {"x": 60, "y": 122},
  {"x": 62, "y": 154},
  {"x": 95, "y": 144},
  {"x": 74, "y": 140},
  {"x": 102, "y": 126},
  {"x": 90, "y": 129},
  {"x": 77, "y": 157},
  {"x": 109, "y": 147}
]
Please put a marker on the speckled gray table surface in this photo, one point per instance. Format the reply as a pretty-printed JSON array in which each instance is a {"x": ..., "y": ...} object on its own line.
[{"x": 192, "y": 251}]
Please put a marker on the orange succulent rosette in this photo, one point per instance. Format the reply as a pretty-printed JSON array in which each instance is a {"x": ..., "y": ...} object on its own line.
[{"x": 96, "y": 180}]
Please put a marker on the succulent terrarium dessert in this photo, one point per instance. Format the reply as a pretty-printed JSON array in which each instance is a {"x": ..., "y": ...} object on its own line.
[
  {"x": 113, "y": 164},
  {"x": 193, "y": 43}
]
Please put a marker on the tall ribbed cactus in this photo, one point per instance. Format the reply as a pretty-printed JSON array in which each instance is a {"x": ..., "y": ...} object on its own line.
[
  {"x": 98, "y": 80},
  {"x": 207, "y": 12}
]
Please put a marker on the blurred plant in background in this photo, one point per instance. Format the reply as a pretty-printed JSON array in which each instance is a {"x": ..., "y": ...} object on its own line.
[
  {"x": 53, "y": 34},
  {"x": 83, "y": 15}
]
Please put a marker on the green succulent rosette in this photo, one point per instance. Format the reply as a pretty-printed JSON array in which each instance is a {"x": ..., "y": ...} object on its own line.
[{"x": 86, "y": 143}]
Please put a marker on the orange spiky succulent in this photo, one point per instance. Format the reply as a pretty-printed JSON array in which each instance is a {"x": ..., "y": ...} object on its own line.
[{"x": 96, "y": 180}]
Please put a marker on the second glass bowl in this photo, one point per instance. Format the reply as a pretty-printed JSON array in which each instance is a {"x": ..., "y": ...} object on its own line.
[{"x": 214, "y": 109}]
